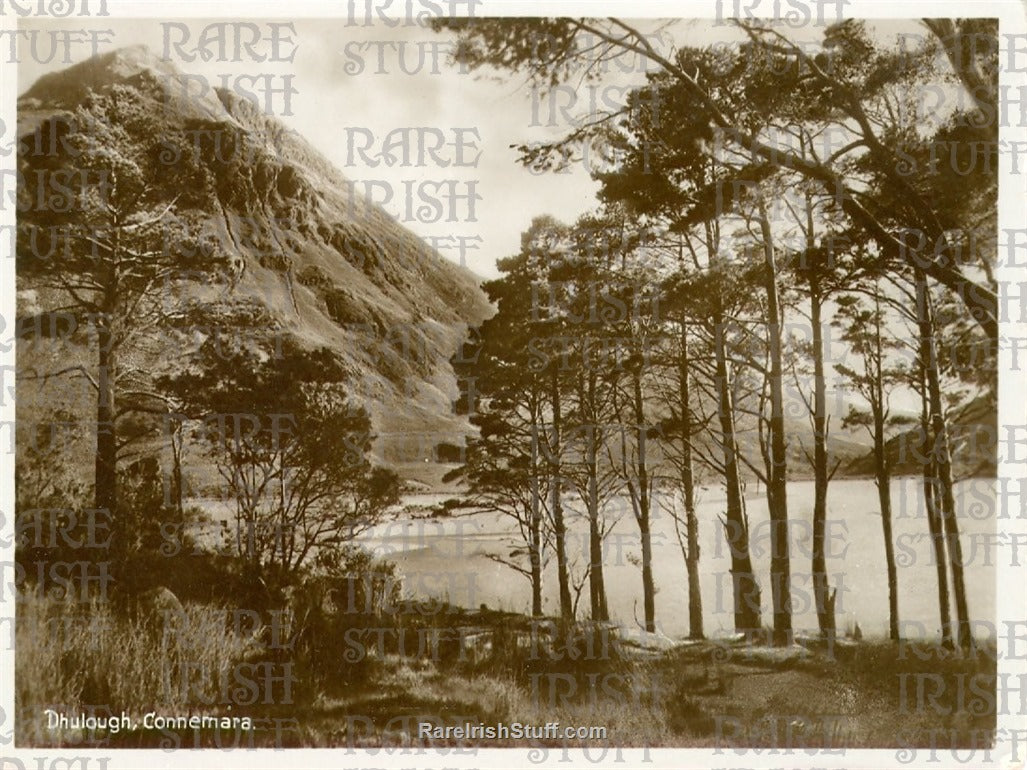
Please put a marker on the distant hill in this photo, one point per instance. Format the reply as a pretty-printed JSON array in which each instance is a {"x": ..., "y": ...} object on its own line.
[
  {"x": 974, "y": 446},
  {"x": 331, "y": 270}
]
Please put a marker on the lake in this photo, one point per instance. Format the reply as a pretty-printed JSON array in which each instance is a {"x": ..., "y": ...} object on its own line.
[{"x": 449, "y": 558}]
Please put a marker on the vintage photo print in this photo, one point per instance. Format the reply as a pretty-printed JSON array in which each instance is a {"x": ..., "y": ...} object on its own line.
[{"x": 470, "y": 384}]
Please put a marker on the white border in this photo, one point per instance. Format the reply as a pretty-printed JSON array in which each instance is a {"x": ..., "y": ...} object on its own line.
[{"x": 1011, "y": 586}]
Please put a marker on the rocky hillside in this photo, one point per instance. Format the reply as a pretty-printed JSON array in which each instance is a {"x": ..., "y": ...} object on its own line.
[
  {"x": 974, "y": 445},
  {"x": 331, "y": 270}
]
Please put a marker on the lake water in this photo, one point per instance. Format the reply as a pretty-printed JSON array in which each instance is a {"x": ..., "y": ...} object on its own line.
[{"x": 449, "y": 558}]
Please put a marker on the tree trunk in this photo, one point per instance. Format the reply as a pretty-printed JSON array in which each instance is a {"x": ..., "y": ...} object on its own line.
[
  {"x": 934, "y": 518},
  {"x": 177, "y": 482},
  {"x": 777, "y": 493},
  {"x": 822, "y": 594},
  {"x": 597, "y": 586},
  {"x": 644, "y": 508},
  {"x": 882, "y": 476},
  {"x": 940, "y": 558},
  {"x": 648, "y": 587},
  {"x": 695, "y": 624},
  {"x": 942, "y": 460},
  {"x": 106, "y": 478},
  {"x": 746, "y": 590},
  {"x": 559, "y": 526},
  {"x": 535, "y": 526},
  {"x": 596, "y": 582},
  {"x": 535, "y": 556}
]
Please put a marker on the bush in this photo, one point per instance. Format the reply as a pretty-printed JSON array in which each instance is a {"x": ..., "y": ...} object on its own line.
[{"x": 349, "y": 589}]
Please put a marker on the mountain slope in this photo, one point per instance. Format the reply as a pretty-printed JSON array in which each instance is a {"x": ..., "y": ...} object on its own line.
[
  {"x": 331, "y": 270},
  {"x": 973, "y": 445}
]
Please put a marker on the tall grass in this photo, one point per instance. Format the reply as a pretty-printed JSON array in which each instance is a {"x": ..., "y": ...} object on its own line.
[
  {"x": 94, "y": 659},
  {"x": 90, "y": 658}
]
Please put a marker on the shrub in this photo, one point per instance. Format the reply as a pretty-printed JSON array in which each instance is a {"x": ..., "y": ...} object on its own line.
[{"x": 349, "y": 589}]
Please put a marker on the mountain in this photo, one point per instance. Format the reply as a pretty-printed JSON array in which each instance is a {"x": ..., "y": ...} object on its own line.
[
  {"x": 973, "y": 445},
  {"x": 331, "y": 270}
]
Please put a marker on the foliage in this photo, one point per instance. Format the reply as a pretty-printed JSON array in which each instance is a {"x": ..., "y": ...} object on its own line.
[
  {"x": 854, "y": 87},
  {"x": 291, "y": 448},
  {"x": 116, "y": 251}
]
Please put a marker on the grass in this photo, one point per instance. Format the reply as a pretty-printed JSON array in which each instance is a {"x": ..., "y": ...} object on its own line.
[
  {"x": 92, "y": 658},
  {"x": 489, "y": 667}
]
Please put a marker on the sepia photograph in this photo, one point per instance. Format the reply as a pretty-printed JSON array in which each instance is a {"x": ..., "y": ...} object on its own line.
[{"x": 423, "y": 379}]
